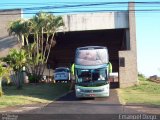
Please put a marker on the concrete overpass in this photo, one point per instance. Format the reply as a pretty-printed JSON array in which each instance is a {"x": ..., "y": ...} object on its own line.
[{"x": 115, "y": 30}]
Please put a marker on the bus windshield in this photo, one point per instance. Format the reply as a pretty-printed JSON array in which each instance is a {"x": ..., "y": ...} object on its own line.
[{"x": 94, "y": 76}]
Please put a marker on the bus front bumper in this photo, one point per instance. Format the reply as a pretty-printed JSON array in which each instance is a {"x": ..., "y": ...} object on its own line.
[
  {"x": 91, "y": 95},
  {"x": 100, "y": 91}
]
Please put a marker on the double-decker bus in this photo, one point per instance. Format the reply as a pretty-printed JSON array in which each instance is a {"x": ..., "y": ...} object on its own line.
[{"x": 91, "y": 72}]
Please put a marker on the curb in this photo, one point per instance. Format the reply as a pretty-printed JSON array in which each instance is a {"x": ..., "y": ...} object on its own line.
[{"x": 144, "y": 105}]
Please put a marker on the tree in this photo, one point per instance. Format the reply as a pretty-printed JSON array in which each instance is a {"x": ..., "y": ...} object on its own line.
[
  {"x": 15, "y": 28},
  {"x": 4, "y": 74},
  {"x": 16, "y": 59},
  {"x": 43, "y": 27}
]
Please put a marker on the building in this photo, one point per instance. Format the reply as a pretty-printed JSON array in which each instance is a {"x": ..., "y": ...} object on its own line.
[{"x": 6, "y": 41}]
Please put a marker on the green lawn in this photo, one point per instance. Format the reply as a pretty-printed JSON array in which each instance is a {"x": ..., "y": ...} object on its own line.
[
  {"x": 32, "y": 94},
  {"x": 146, "y": 93}
]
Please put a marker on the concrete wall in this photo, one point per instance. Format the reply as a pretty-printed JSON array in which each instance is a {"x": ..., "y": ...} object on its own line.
[
  {"x": 128, "y": 72},
  {"x": 96, "y": 21},
  {"x": 7, "y": 42},
  {"x": 6, "y": 16}
]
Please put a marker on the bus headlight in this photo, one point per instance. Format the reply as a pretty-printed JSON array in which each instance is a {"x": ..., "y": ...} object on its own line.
[
  {"x": 105, "y": 89},
  {"x": 78, "y": 90}
]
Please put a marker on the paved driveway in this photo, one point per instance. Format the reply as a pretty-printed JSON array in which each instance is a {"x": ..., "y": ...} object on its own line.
[{"x": 69, "y": 104}]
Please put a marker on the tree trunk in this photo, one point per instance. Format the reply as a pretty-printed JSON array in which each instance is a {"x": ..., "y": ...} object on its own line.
[
  {"x": 44, "y": 53},
  {"x": 42, "y": 44},
  {"x": 1, "y": 92},
  {"x": 49, "y": 48}
]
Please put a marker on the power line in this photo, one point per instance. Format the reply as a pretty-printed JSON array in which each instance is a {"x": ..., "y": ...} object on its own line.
[
  {"x": 77, "y": 5},
  {"x": 93, "y": 4},
  {"x": 82, "y": 2},
  {"x": 142, "y": 10},
  {"x": 99, "y": 6}
]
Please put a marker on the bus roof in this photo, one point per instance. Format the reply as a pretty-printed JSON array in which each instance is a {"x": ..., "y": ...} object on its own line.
[{"x": 91, "y": 47}]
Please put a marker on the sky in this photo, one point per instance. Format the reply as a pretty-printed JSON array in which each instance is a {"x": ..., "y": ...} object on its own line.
[{"x": 147, "y": 24}]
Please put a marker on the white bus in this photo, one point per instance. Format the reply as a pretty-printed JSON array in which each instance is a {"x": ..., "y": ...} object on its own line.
[{"x": 91, "y": 72}]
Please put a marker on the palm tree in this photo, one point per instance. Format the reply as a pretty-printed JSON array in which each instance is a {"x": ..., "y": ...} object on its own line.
[
  {"x": 39, "y": 22},
  {"x": 26, "y": 29},
  {"x": 42, "y": 23},
  {"x": 16, "y": 28},
  {"x": 22, "y": 29},
  {"x": 56, "y": 22},
  {"x": 4, "y": 73},
  {"x": 48, "y": 24}
]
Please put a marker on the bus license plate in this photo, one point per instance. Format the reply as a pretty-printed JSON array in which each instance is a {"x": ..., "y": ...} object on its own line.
[{"x": 91, "y": 95}]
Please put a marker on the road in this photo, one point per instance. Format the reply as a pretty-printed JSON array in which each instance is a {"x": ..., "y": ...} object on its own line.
[
  {"x": 69, "y": 104},
  {"x": 70, "y": 108}
]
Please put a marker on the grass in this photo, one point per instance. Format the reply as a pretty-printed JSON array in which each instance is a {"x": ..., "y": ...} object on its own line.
[
  {"x": 146, "y": 93},
  {"x": 32, "y": 94}
]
